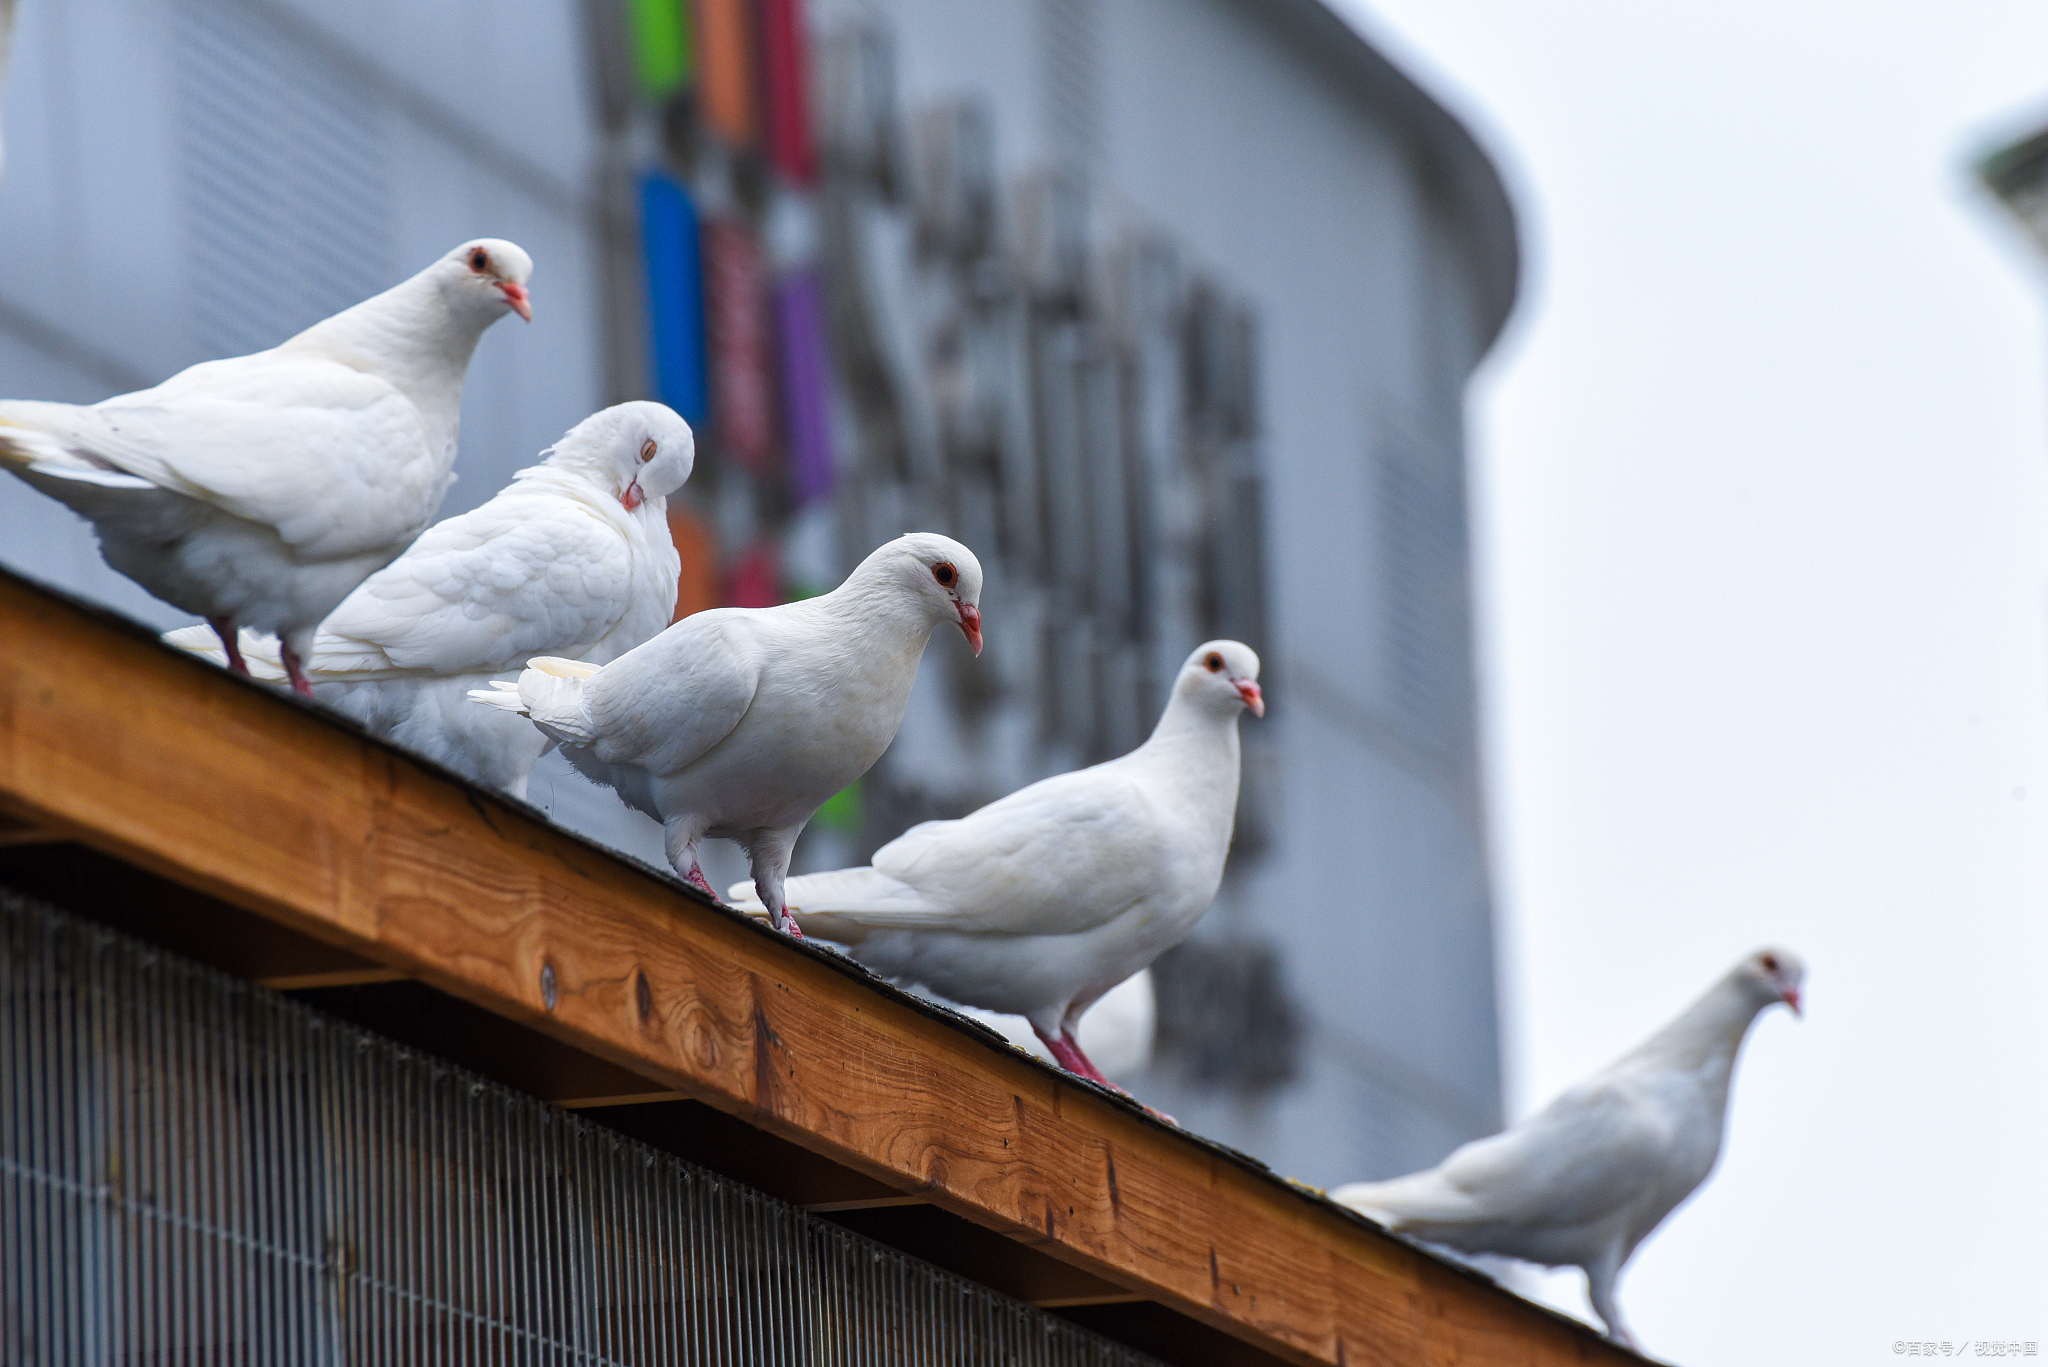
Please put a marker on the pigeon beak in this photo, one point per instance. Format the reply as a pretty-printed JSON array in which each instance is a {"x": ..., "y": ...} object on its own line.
[
  {"x": 1792, "y": 1000},
  {"x": 515, "y": 295},
  {"x": 970, "y": 623},
  {"x": 1253, "y": 699},
  {"x": 633, "y": 498}
]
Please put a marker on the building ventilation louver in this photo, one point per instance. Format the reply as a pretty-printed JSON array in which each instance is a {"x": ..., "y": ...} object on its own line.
[{"x": 284, "y": 180}]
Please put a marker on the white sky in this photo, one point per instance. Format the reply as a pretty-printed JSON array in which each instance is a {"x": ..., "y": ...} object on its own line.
[{"x": 1762, "y": 483}]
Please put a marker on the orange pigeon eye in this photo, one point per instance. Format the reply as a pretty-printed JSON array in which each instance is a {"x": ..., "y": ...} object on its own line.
[
  {"x": 1215, "y": 662},
  {"x": 479, "y": 260},
  {"x": 647, "y": 450},
  {"x": 945, "y": 573}
]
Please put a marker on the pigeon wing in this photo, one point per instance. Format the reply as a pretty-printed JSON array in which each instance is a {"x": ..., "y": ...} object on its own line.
[
  {"x": 518, "y": 577},
  {"x": 1057, "y": 858},
  {"x": 1591, "y": 1151},
  {"x": 328, "y": 455},
  {"x": 663, "y": 706}
]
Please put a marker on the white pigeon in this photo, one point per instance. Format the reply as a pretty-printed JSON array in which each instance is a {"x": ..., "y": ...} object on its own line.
[
  {"x": 573, "y": 558},
  {"x": 740, "y": 722},
  {"x": 1043, "y": 901},
  {"x": 1585, "y": 1180},
  {"x": 259, "y": 491}
]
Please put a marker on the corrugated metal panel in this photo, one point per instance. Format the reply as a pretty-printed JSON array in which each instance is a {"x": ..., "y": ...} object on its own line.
[
  {"x": 195, "y": 1170},
  {"x": 1425, "y": 563},
  {"x": 284, "y": 184}
]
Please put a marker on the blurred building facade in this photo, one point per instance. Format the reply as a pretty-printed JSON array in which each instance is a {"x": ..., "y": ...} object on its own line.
[{"x": 1165, "y": 307}]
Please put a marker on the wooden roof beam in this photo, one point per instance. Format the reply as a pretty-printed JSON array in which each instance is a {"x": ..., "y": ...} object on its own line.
[{"x": 240, "y": 794}]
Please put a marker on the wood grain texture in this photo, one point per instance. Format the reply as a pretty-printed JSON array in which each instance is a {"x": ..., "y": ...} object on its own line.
[{"x": 262, "y": 802}]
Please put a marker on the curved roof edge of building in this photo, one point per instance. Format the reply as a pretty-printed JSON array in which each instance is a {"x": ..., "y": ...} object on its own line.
[{"x": 1468, "y": 177}]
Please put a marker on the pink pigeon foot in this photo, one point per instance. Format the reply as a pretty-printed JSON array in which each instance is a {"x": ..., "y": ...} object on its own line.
[
  {"x": 785, "y": 923},
  {"x": 1087, "y": 1068},
  {"x": 295, "y": 670},
  {"x": 1066, "y": 1051},
  {"x": 696, "y": 879},
  {"x": 1068, "y": 1055},
  {"x": 229, "y": 642}
]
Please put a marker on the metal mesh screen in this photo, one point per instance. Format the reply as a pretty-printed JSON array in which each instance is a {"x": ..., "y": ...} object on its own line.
[{"x": 194, "y": 1170}]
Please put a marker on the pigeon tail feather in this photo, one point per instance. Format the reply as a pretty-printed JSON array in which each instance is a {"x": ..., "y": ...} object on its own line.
[
  {"x": 87, "y": 474},
  {"x": 842, "y": 905},
  {"x": 504, "y": 696},
  {"x": 1421, "y": 1197},
  {"x": 41, "y": 453},
  {"x": 554, "y": 666},
  {"x": 550, "y": 692},
  {"x": 259, "y": 650}
]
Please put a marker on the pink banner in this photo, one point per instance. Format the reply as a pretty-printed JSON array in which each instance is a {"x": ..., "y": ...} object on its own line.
[{"x": 742, "y": 381}]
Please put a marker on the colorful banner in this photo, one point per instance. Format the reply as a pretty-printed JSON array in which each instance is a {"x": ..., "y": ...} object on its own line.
[
  {"x": 697, "y": 586},
  {"x": 742, "y": 384},
  {"x": 725, "y": 75},
  {"x": 755, "y": 579},
  {"x": 661, "y": 46},
  {"x": 806, "y": 382},
  {"x": 785, "y": 81},
  {"x": 675, "y": 295}
]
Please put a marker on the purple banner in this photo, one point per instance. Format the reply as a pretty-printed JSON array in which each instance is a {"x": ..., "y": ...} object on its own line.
[{"x": 806, "y": 407}]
